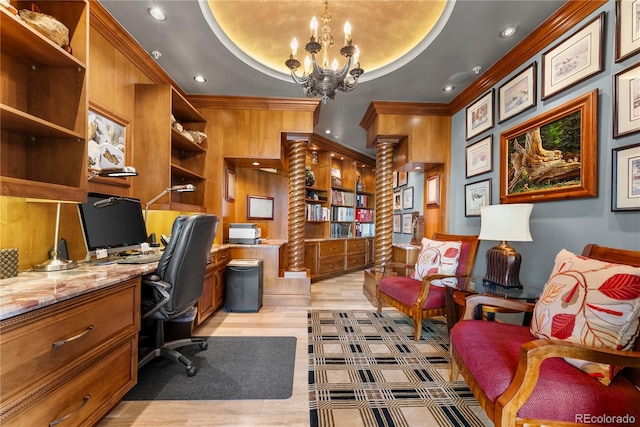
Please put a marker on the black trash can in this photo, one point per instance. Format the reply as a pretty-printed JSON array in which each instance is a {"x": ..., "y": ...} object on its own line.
[{"x": 244, "y": 285}]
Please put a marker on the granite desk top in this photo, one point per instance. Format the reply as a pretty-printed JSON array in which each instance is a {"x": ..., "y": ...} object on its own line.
[{"x": 31, "y": 290}]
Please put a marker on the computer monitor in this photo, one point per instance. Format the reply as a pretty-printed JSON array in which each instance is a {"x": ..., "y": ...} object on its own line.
[{"x": 113, "y": 223}]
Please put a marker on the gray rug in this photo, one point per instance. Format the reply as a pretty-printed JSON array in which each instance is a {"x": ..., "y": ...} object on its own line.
[{"x": 232, "y": 368}]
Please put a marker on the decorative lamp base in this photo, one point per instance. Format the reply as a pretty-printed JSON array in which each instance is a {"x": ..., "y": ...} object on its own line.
[
  {"x": 503, "y": 266},
  {"x": 55, "y": 264}
]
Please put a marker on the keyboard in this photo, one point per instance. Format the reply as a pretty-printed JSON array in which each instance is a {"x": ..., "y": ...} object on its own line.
[{"x": 140, "y": 259}]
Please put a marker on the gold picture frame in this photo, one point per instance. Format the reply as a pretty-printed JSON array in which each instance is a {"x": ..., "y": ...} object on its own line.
[{"x": 561, "y": 146}]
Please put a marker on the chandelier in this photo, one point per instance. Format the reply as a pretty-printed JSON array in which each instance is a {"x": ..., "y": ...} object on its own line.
[{"x": 321, "y": 79}]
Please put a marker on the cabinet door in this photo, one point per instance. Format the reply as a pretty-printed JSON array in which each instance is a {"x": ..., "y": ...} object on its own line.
[{"x": 206, "y": 301}]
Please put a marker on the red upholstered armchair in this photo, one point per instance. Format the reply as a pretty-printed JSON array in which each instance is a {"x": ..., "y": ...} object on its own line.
[
  {"x": 419, "y": 298},
  {"x": 521, "y": 379}
]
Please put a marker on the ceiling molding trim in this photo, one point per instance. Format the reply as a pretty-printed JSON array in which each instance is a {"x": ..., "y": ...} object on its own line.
[
  {"x": 102, "y": 21},
  {"x": 557, "y": 25},
  {"x": 330, "y": 145},
  {"x": 254, "y": 103},
  {"x": 377, "y": 108}
]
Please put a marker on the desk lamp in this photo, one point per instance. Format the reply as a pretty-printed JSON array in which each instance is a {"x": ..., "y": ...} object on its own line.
[
  {"x": 502, "y": 223},
  {"x": 114, "y": 172},
  {"x": 187, "y": 188},
  {"x": 55, "y": 263}
]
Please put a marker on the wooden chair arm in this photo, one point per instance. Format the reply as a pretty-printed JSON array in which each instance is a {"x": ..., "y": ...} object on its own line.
[
  {"x": 426, "y": 284},
  {"x": 533, "y": 353},
  {"x": 473, "y": 301},
  {"x": 394, "y": 264}
]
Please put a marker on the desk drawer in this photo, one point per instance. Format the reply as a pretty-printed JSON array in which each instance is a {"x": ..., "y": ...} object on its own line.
[
  {"x": 86, "y": 396},
  {"x": 329, "y": 248},
  {"x": 355, "y": 260},
  {"x": 35, "y": 345},
  {"x": 221, "y": 257},
  {"x": 356, "y": 245},
  {"x": 331, "y": 264}
]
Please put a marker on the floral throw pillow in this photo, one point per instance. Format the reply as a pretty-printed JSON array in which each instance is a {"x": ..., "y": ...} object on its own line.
[
  {"x": 590, "y": 302},
  {"x": 437, "y": 257}
]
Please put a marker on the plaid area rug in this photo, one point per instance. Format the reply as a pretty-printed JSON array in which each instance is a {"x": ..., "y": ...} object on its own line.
[{"x": 366, "y": 370}]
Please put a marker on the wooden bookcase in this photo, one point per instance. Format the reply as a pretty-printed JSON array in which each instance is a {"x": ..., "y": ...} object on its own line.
[
  {"x": 163, "y": 156},
  {"x": 43, "y": 105}
]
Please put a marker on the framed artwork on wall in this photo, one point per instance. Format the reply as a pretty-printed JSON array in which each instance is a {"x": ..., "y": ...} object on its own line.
[
  {"x": 627, "y": 29},
  {"x": 397, "y": 223},
  {"x": 407, "y": 223},
  {"x": 403, "y": 178},
  {"x": 561, "y": 148},
  {"x": 259, "y": 207},
  {"x": 574, "y": 59},
  {"x": 626, "y": 101},
  {"x": 407, "y": 198},
  {"x": 518, "y": 94},
  {"x": 433, "y": 191},
  {"x": 107, "y": 139},
  {"x": 476, "y": 195},
  {"x": 479, "y": 157},
  {"x": 625, "y": 182},
  {"x": 397, "y": 200},
  {"x": 230, "y": 184},
  {"x": 480, "y": 115}
]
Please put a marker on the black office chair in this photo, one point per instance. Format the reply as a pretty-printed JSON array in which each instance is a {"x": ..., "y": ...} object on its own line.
[{"x": 176, "y": 285}]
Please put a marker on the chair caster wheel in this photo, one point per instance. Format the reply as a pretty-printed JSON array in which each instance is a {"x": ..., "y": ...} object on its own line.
[
  {"x": 191, "y": 371},
  {"x": 204, "y": 346}
]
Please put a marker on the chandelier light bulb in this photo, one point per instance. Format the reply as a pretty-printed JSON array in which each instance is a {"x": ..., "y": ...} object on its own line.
[
  {"x": 356, "y": 56},
  {"x": 314, "y": 28},
  {"x": 294, "y": 47},
  {"x": 307, "y": 65},
  {"x": 347, "y": 33}
]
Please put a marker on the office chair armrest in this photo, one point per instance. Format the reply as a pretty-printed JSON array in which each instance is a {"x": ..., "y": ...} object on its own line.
[{"x": 161, "y": 289}]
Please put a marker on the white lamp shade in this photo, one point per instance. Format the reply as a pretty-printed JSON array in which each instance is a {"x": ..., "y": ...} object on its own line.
[{"x": 508, "y": 222}]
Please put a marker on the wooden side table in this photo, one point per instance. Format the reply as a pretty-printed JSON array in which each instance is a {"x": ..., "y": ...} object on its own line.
[{"x": 456, "y": 299}]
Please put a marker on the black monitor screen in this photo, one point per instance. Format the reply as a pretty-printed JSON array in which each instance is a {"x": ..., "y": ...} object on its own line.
[{"x": 112, "y": 222}]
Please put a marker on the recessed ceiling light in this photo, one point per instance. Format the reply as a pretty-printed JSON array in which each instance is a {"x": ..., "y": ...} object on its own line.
[
  {"x": 199, "y": 79},
  {"x": 328, "y": 131},
  {"x": 157, "y": 14},
  {"x": 256, "y": 163},
  {"x": 508, "y": 32},
  {"x": 417, "y": 167},
  {"x": 448, "y": 88}
]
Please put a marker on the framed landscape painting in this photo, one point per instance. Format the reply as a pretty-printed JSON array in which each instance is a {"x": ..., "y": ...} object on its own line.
[
  {"x": 575, "y": 59},
  {"x": 518, "y": 94},
  {"x": 627, "y": 29},
  {"x": 476, "y": 195},
  {"x": 553, "y": 156},
  {"x": 480, "y": 115}
]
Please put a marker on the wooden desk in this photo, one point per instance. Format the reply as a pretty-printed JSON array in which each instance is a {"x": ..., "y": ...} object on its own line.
[{"x": 68, "y": 343}]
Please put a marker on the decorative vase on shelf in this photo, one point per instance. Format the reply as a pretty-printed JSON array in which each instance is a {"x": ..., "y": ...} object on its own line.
[
  {"x": 310, "y": 177},
  {"x": 359, "y": 184}
]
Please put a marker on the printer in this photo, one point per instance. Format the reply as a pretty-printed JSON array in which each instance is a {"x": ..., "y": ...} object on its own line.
[{"x": 244, "y": 233}]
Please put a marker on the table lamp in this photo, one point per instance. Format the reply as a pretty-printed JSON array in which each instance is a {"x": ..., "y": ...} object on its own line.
[
  {"x": 187, "y": 188},
  {"x": 502, "y": 223}
]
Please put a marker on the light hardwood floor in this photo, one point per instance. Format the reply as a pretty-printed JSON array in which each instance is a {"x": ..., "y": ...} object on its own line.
[{"x": 340, "y": 293}]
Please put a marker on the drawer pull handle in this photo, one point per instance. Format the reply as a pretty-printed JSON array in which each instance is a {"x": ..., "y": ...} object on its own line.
[
  {"x": 73, "y": 338},
  {"x": 61, "y": 419}
]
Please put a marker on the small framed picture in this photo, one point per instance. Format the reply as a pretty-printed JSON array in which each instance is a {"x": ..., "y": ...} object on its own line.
[
  {"x": 403, "y": 178},
  {"x": 476, "y": 195},
  {"x": 433, "y": 191},
  {"x": 625, "y": 182},
  {"x": 480, "y": 115},
  {"x": 518, "y": 94},
  {"x": 626, "y": 101},
  {"x": 397, "y": 200},
  {"x": 407, "y": 198},
  {"x": 407, "y": 223},
  {"x": 230, "y": 185},
  {"x": 397, "y": 223},
  {"x": 627, "y": 29},
  {"x": 259, "y": 207},
  {"x": 575, "y": 59},
  {"x": 480, "y": 157}
]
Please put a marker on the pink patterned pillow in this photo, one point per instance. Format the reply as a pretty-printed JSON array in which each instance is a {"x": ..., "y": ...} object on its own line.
[
  {"x": 437, "y": 257},
  {"x": 590, "y": 302}
]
